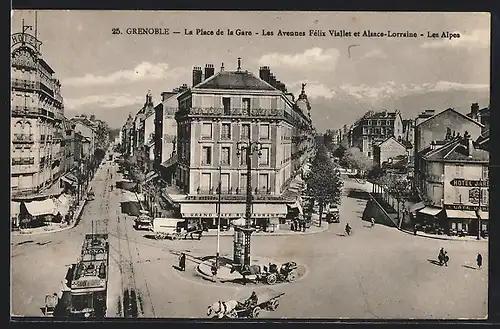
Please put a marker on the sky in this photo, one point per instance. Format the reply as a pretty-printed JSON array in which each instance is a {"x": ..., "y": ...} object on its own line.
[{"x": 109, "y": 75}]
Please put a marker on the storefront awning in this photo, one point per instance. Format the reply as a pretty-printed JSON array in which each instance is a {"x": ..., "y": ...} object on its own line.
[
  {"x": 416, "y": 207},
  {"x": 430, "y": 211},
  {"x": 484, "y": 214},
  {"x": 170, "y": 162},
  {"x": 70, "y": 179},
  {"x": 151, "y": 176},
  {"x": 209, "y": 210},
  {"x": 63, "y": 204},
  {"x": 40, "y": 208},
  {"x": 462, "y": 214}
]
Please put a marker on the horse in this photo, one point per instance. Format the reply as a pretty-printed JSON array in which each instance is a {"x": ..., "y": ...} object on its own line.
[{"x": 220, "y": 309}]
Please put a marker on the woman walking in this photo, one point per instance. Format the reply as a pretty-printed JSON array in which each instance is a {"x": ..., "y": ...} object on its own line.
[{"x": 479, "y": 260}]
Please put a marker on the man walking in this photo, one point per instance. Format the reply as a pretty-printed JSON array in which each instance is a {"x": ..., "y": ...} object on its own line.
[
  {"x": 182, "y": 262},
  {"x": 479, "y": 260}
]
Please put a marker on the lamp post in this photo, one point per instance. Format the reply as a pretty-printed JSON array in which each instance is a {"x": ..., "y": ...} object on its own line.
[
  {"x": 249, "y": 147},
  {"x": 219, "y": 191}
]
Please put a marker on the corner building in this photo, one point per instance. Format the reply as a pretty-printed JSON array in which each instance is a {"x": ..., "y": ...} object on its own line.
[{"x": 217, "y": 113}]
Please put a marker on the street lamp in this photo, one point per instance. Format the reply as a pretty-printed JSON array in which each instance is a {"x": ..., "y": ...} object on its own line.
[
  {"x": 250, "y": 148},
  {"x": 219, "y": 191}
]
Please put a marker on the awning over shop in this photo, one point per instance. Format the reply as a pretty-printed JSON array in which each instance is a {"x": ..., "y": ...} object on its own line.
[
  {"x": 40, "y": 208},
  {"x": 297, "y": 205},
  {"x": 170, "y": 162},
  {"x": 129, "y": 197},
  {"x": 462, "y": 214},
  {"x": 62, "y": 204},
  {"x": 209, "y": 210},
  {"x": 484, "y": 214},
  {"x": 417, "y": 207},
  {"x": 70, "y": 179},
  {"x": 430, "y": 211},
  {"x": 15, "y": 208},
  {"x": 151, "y": 176}
]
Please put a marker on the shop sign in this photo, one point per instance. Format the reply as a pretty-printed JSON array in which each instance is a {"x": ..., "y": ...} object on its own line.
[
  {"x": 460, "y": 182},
  {"x": 25, "y": 39},
  {"x": 465, "y": 207}
]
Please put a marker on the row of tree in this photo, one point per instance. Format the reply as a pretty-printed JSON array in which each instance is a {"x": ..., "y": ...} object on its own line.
[{"x": 324, "y": 183}]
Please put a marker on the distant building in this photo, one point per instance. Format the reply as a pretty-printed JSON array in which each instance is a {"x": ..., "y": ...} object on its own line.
[
  {"x": 375, "y": 127},
  {"x": 388, "y": 150},
  {"x": 454, "y": 181}
]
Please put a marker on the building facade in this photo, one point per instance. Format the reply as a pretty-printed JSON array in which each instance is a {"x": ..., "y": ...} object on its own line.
[
  {"x": 217, "y": 113},
  {"x": 387, "y": 151},
  {"x": 480, "y": 115},
  {"x": 37, "y": 111},
  {"x": 454, "y": 181},
  {"x": 375, "y": 127}
]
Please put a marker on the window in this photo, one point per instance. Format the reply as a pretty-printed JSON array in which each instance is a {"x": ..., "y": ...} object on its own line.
[
  {"x": 378, "y": 122},
  {"x": 484, "y": 196},
  {"x": 206, "y": 131},
  {"x": 245, "y": 131},
  {"x": 274, "y": 103},
  {"x": 226, "y": 103},
  {"x": 369, "y": 122},
  {"x": 263, "y": 183},
  {"x": 243, "y": 182},
  {"x": 458, "y": 196},
  {"x": 224, "y": 182},
  {"x": 206, "y": 182},
  {"x": 264, "y": 131},
  {"x": 206, "y": 155},
  {"x": 246, "y": 105},
  {"x": 369, "y": 154},
  {"x": 264, "y": 158},
  {"x": 226, "y": 131},
  {"x": 485, "y": 173},
  {"x": 243, "y": 156},
  {"x": 225, "y": 156}
]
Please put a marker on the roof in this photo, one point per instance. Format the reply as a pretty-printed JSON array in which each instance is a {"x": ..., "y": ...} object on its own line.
[
  {"x": 455, "y": 111},
  {"x": 456, "y": 150},
  {"x": 484, "y": 137},
  {"x": 242, "y": 80},
  {"x": 389, "y": 138},
  {"x": 382, "y": 115},
  {"x": 407, "y": 144}
]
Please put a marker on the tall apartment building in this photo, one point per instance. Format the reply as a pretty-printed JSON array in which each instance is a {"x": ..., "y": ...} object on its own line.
[
  {"x": 221, "y": 110},
  {"x": 375, "y": 127},
  {"x": 37, "y": 112}
]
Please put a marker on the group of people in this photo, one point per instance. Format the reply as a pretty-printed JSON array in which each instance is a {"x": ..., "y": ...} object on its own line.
[{"x": 444, "y": 258}]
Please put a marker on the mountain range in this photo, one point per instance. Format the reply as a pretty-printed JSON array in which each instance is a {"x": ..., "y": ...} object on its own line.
[{"x": 344, "y": 105}]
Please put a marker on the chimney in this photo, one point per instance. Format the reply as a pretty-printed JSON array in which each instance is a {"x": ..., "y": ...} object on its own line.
[
  {"x": 474, "y": 110},
  {"x": 209, "y": 71},
  {"x": 272, "y": 80},
  {"x": 433, "y": 145},
  {"x": 222, "y": 67},
  {"x": 197, "y": 73},
  {"x": 468, "y": 144},
  {"x": 239, "y": 64},
  {"x": 264, "y": 73}
]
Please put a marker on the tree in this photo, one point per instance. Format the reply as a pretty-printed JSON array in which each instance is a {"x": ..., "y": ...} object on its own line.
[
  {"x": 397, "y": 186},
  {"x": 324, "y": 182},
  {"x": 355, "y": 159}
]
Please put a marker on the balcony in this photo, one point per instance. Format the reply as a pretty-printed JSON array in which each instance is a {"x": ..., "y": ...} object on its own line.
[
  {"x": 23, "y": 161},
  {"x": 24, "y": 84},
  {"x": 18, "y": 110},
  {"x": 23, "y": 138}
]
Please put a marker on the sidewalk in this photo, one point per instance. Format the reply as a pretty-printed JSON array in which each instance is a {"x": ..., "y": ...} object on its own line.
[
  {"x": 57, "y": 227},
  {"x": 445, "y": 237},
  {"x": 314, "y": 229}
]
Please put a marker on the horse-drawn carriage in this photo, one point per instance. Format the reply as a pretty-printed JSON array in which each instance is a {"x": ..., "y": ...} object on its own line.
[
  {"x": 271, "y": 274},
  {"x": 265, "y": 299},
  {"x": 174, "y": 228}
]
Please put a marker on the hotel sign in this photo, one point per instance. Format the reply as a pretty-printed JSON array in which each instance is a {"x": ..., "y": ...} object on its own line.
[
  {"x": 25, "y": 38},
  {"x": 459, "y": 182},
  {"x": 465, "y": 207}
]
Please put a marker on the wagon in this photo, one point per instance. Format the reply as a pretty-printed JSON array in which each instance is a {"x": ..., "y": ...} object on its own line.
[
  {"x": 172, "y": 228},
  {"x": 267, "y": 299}
]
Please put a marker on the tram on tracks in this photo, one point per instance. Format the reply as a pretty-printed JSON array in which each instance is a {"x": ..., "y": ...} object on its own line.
[{"x": 89, "y": 281}]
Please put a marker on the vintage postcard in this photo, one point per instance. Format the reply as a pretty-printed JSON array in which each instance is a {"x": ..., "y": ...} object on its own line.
[{"x": 249, "y": 165}]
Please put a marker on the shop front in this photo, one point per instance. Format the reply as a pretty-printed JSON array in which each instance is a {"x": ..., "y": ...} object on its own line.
[
  {"x": 262, "y": 213},
  {"x": 461, "y": 222},
  {"x": 430, "y": 219}
]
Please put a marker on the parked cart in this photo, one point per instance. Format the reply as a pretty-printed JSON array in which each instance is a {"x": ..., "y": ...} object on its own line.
[{"x": 173, "y": 228}]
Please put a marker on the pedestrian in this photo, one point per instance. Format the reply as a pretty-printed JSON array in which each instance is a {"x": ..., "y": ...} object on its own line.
[
  {"x": 446, "y": 258},
  {"x": 479, "y": 260},
  {"x": 182, "y": 262},
  {"x": 214, "y": 271},
  {"x": 415, "y": 229},
  {"x": 373, "y": 221}
]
